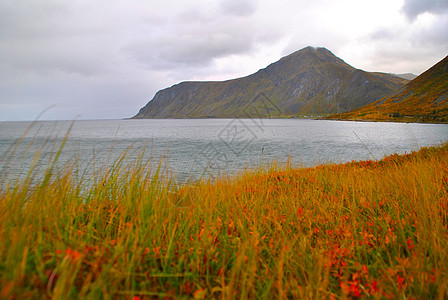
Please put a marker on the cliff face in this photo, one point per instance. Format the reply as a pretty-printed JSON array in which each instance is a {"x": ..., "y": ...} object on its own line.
[
  {"x": 309, "y": 81},
  {"x": 424, "y": 99}
]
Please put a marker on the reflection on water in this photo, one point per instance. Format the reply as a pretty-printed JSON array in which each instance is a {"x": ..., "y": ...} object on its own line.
[{"x": 207, "y": 147}]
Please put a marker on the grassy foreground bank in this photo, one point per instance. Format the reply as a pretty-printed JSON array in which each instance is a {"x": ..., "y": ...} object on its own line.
[{"x": 364, "y": 229}]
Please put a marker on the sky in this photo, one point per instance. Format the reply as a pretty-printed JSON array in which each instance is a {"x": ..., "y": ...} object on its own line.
[{"x": 105, "y": 59}]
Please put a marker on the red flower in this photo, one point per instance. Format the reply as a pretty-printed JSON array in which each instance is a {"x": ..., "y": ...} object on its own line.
[
  {"x": 365, "y": 270},
  {"x": 400, "y": 281},
  {"x": 354, "y": 289},
  {"x": 410, "y": 244},
  {"x": 73, "y": 255},
  {"x": 375, "y": 286},
  {"x": 433, "y": 277}
]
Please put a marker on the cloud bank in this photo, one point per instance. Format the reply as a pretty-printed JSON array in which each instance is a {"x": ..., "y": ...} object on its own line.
[
  {"x": 106, "y": 59},
  {"x": 414, "y": 8}
]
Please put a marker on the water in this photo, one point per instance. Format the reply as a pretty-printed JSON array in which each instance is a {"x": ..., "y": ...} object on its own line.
[{"x": 208, "y": 147}]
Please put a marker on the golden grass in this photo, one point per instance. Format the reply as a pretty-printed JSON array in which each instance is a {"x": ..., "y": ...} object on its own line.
[{"x": 372, "y": 229}]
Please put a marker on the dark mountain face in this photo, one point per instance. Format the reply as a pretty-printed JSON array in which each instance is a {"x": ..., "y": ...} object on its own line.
[
  {"x": 424, "y": 99},
  {"x": 309, "y": 81}
]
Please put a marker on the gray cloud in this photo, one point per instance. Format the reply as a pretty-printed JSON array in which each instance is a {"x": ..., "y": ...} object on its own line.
[
  {"x": 47, "y": 36},
  {"x": 238, "y": 7},
  {"x": 410, "y": 46},
  {"x": 191, "y": 40},
  {"x": 413, "y": 8},
  {"x": 70, "y": 55},
  {"x": 188, "y": 49},
  {"x": 433, "y": 35}
]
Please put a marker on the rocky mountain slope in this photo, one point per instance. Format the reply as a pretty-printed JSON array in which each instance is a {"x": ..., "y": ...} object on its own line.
[
  {"x": 424, "y": 99},
  {"x": 308, "y": 81}
]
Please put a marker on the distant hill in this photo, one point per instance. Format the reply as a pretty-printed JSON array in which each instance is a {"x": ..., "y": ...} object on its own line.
[
  {"x": 308, "y": 81},
  {"x": 408, "y": 76},
  {"x": 424, "y": 99}
]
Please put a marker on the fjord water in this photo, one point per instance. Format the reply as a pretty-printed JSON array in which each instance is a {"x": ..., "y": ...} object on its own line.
[{"x": 194, "y": 148}]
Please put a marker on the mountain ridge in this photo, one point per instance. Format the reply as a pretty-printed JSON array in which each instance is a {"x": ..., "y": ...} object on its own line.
[
  {"x": 308, "y": 81},
  {"x": 408, "y": 76},
  {"x": 424, "y": 99}
]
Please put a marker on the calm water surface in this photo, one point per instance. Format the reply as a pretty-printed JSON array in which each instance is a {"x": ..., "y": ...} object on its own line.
[{"x": 208, "y": 147}]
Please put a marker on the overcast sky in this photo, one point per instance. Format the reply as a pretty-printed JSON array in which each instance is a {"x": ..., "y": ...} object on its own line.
[{"x": 105, "y": 59}]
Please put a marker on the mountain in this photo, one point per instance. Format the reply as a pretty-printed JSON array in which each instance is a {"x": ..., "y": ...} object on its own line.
[
  {"x": 308, "y": 81},
  {"x": 424, "y": 99}
]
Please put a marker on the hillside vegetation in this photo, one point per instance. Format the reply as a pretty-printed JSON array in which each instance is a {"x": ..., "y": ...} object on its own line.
[
  {"x": 370, "y": 229},
  {"x": 424, "y": 99}
]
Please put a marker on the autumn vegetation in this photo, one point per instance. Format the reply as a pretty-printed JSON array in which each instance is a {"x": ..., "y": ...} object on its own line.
[
  {"x": 424, "y": 99},
  {"x": 369, "y": 229}
]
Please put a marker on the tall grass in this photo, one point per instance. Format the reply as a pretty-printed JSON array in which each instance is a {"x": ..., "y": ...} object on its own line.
[{"x": 372, "y": 229}]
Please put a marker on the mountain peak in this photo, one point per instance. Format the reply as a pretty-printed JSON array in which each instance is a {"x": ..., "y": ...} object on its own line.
[
  {"x": 315, "y": 55},
  {"x": 311, "y": 50},
  {"x": 315, "y": 50}
]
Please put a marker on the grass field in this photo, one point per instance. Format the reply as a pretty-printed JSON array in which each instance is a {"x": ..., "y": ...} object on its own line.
[{"x": 370, "y": 229}]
